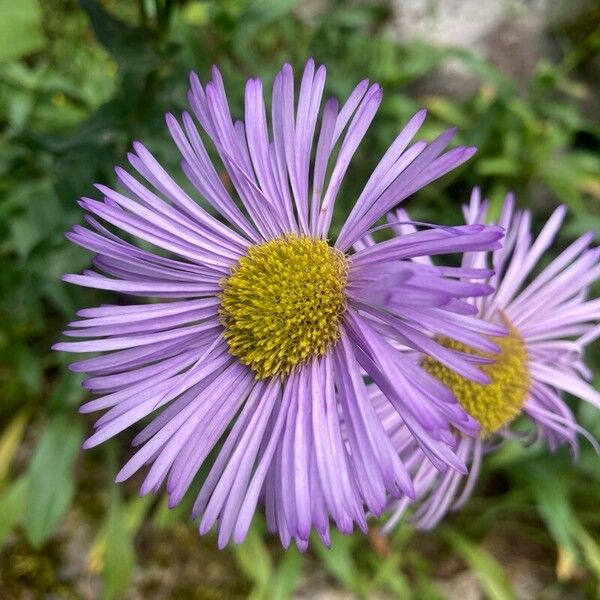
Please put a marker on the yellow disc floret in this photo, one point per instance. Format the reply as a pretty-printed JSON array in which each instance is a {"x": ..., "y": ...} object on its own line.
[
  {"x": 282, "y": 303},
  {"x": 499, "y": 402}
]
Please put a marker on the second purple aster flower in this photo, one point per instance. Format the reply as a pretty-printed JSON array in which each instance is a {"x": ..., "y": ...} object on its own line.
[
  {"x": 551, "y": 319},
  {"x": 256, "y": 354}
]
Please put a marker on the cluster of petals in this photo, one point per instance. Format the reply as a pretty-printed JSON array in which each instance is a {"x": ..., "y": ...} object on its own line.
[
  {"x": 555, "y": 318},
  {"x": 310, "y": 447}
]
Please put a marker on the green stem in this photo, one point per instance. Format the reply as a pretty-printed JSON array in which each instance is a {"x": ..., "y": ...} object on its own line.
[
  {"x": 164, "y": 12},
  {"x": 143, "y": 13},
  {"x": 590, "y": 44}
]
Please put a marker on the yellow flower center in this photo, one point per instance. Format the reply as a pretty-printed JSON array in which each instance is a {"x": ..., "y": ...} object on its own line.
[
  {"x": 282, "y": 303},
  {"x": 499, "y": 402}
]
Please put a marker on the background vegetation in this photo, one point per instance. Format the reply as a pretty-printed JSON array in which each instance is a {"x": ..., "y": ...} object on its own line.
[{"x": 79, "y": 81}]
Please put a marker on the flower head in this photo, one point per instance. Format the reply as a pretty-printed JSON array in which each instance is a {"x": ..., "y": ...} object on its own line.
[
  {"x": 550, "y": 321},
  {"x": 257, "y": 350},
  {"x": 283, "y": 303}
]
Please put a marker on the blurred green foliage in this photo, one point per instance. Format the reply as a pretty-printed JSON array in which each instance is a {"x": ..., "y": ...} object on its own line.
[{"x": 79, "y": 81}]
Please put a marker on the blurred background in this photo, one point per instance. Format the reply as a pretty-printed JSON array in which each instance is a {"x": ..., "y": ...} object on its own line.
[{"x": 79, "y": 81}]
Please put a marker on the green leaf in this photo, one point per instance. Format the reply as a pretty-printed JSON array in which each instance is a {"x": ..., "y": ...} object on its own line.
[
  {"x": 286, "y": 575},
  {"x": 25, "y": 235},
  {"x": 132, "y": 47},
  {"x": 550, "y": 493},
  {"x": 10, "y": 441},
  {"x": 51, "y": 481},
  {"x": 255, "y": 561},
  {"x": 479, "y": 66},
  {"x": 589, "y": 547},
  {"x": 20, "y": 28},
  {"x": 11, "y": 506},
  {"x": 119, "y": 553},
  {"x": 490, "y": 573},
  {"x": 68, "y": 392},
  {"x": 29, "y": 369},
  {"x": 107, "y": 28},
  {"x": 388, "y": 573},
  {"x": 260, "y": 13},
  {"x": 339, "y": 561},
  {"x": 165, "y": 517},
  {"x": 497, "y": 166},
  {"x": 446, "y": 110}
]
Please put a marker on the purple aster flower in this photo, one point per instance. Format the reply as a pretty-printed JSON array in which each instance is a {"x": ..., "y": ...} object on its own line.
[
  {"x": 550, "y": 321},
  {"x": 255, "y": 356}
]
